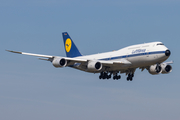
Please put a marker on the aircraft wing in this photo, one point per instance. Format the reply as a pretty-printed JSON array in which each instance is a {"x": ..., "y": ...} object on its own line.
[
  {"x": 48, "y": 57},
  {"x": 74, "y": 61}
]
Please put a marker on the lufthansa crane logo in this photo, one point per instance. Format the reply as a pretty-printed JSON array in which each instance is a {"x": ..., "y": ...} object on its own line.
[{"x": 68, "y": 45}]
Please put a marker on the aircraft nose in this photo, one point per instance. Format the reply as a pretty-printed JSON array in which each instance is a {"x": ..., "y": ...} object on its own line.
[{"x": 167, "y": 52}]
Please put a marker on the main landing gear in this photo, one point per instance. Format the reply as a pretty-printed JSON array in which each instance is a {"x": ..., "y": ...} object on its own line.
[
  {"x": 107, "y": 75},
  {"x": 116, "y": 77},
  {"x": 130, "y": 76}
]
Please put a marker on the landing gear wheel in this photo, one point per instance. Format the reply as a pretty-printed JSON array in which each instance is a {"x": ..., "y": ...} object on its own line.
[{"x": 132, "y": 75}]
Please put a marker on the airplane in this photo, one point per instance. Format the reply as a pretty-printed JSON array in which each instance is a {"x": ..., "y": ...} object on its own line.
[{"x": 150, "y": 56}]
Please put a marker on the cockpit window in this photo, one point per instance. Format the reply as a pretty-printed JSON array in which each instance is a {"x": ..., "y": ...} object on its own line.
[{"x": 160, "y": 44}]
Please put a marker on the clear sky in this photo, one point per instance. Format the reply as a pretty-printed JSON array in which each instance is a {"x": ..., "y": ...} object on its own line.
[{"x": 31, "y": 89}]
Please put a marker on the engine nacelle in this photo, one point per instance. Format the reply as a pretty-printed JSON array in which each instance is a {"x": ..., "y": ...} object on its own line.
[
  {"x": 59, "y": 62},
  {"x": 155, "y": 69},
  {"x": 166, "y": 68},
  {"x": 94, "y": 66}
]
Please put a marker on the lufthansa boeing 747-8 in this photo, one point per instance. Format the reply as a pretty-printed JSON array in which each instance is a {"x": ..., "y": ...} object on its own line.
[{"x": 150, "y": 56}]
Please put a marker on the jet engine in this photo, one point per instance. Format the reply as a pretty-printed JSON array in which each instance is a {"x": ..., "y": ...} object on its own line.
[
  {"x": 155, "y": 69},
  {"x": 59, "y": 62},
  {"x": 166, "y": 68},
  {"x": 94, "y": 66}
]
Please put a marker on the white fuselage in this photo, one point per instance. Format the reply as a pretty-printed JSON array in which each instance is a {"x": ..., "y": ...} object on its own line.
[{"x": 140, "y": 55}]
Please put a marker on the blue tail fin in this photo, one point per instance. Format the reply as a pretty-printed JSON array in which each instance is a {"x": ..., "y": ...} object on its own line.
[{"x": 70, "y": 48}]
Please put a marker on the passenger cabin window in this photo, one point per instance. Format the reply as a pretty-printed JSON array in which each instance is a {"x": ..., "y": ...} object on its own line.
[{"x": 160, "y": 44}]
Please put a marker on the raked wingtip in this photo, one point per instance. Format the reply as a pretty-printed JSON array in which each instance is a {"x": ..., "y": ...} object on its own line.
[{"x": 14, "y": 51}]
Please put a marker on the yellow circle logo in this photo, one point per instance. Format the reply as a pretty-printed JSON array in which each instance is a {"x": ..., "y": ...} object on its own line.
[{"x": 68, "y": 45}]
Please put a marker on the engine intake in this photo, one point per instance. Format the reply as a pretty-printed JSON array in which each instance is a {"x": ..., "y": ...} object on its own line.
[
  {"x": 166, "y": 68},
  {"x": 155, "y": 69},
  {"x": 94, "y": 66},
  {"x": 59, "y": 62}
]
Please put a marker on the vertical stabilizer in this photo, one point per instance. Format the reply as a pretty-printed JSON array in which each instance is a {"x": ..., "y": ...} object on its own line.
[{"x": 70, "y": 48}]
